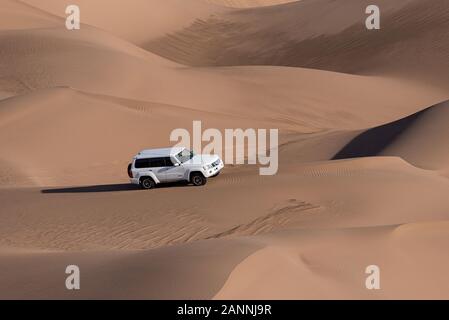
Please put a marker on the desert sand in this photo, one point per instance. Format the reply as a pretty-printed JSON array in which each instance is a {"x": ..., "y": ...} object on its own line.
[
  {"x": 363, "y": 157},
  {"x": 248, "y": 3}
]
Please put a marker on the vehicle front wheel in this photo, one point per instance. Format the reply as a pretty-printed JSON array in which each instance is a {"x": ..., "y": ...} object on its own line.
[
  {"x": 198, "y": 179},
  {"x": 147, "y": 183}
]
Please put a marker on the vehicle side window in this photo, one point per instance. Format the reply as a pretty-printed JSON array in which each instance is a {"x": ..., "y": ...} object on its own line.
[
  {"x": 153, "y": 163},
  {"x": 168, "y": 162},
  {"x": 142, "y": 163},
  {"x": 157, "y": 162}
]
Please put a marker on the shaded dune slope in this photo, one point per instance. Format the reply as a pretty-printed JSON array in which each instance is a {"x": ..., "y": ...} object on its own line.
[
  {"x": 372, "y": 142},
  {"x": 420, "y": 139},
  {"x": 328, "y": 35}
]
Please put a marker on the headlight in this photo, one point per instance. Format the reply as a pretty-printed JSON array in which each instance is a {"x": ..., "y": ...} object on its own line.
[{"x": 207, "y": 167}]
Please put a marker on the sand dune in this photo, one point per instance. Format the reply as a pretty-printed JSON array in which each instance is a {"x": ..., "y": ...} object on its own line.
[
  {"x": 302, "y": 271},
  {"x": 336, "y": 194},
  {"x": 307, "y": 95},
  {"x": 420, "y": 139},
  {"x": 137, "y": 274},
  {"x": 55, "y": 117},
  {"x": 423, "y": 144},
  {"x": 402, "y": 252},
  {"x": 140, "y": 20},
  {"x": 297, "y": 101},
  {"x": 18, "y": 15},
  {"x": 363, "y": 163},
  {"x": 323, "y": 34},
  {"x": 72, "y": 150}
]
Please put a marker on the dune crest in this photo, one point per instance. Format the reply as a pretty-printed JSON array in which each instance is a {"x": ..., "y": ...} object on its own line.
[{"x": 139, "y": 21}]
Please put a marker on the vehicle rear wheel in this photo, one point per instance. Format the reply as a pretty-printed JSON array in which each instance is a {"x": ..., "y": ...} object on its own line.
[
  {"x": 147, "y": 183},
  {"x": 198, "y": 179}
]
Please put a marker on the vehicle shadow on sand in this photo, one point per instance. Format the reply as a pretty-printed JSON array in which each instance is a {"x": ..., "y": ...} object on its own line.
[{"x": 111, "y": 188}]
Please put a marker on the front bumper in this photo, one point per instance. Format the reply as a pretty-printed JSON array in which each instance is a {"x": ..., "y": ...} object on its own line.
[{"x": 213, "y": 171}]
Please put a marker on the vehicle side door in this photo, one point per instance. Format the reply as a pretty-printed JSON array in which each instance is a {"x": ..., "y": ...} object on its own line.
[
  {"x": 174, "y": 172},
  {"x": 153, "y": 165},
  {"x": 158, "y": 167}
]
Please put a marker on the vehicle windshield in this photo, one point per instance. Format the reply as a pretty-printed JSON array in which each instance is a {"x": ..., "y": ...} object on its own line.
[{"x": 185, "y": 155}]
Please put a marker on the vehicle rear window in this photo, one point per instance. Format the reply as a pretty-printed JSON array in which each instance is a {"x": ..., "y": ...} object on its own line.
[{"x": 153, "y": 163}]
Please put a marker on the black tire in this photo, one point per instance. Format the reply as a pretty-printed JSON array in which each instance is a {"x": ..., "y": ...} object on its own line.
[
  {"x": 198, "y": 179},
  {"x": 147, "y": 183}
]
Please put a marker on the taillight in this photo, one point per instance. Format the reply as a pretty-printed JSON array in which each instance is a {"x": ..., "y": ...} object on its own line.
[{"x": 130, "y": 172}]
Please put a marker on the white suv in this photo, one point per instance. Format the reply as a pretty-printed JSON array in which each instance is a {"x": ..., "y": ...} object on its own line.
[{"x": 155, "y": 166}]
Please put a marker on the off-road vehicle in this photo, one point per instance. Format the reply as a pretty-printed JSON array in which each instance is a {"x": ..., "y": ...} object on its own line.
[{"x": 154, "y": 166}]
